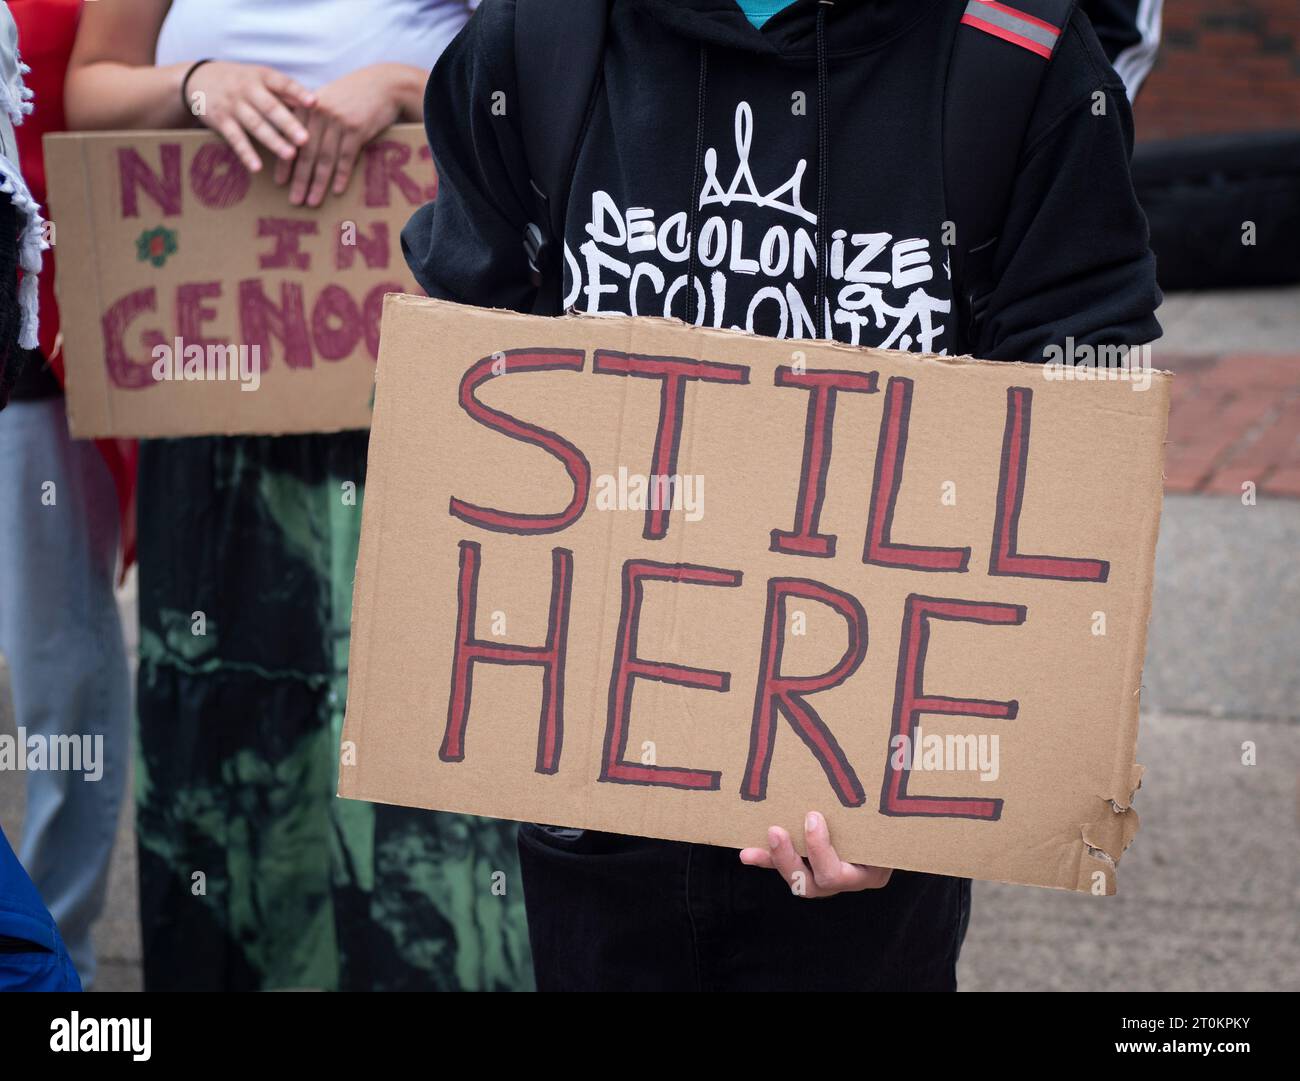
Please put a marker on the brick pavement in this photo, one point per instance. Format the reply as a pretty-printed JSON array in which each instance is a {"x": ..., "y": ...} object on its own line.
[
  {"x": 1234, "y": 418},
  {"x": 1223, "y": 66}
]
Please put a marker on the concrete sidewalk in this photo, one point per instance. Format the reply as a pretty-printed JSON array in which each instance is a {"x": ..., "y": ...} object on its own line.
[{"x": 1207, "y": 894}]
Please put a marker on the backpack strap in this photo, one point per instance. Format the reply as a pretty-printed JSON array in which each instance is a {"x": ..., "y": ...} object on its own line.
[
  {"x": 559, "y": 48},
  {"x": 1000, "y": 54}
]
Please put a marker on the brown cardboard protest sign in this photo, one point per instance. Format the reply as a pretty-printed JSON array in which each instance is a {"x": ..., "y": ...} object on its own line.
[
  {"x": 194, "y": 299},
  {"x": 910, "y": 592}
]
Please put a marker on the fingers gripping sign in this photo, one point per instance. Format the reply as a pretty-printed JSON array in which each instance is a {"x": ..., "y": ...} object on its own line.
[
  {"x": 247, "y": 102},
  {"x": 823, "y": 874}
]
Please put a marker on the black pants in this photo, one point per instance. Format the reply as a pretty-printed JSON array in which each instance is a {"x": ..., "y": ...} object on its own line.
[{"x": 614, "y": 913}]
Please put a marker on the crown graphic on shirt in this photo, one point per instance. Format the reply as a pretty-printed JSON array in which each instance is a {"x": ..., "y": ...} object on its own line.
[{"x": 743, "y": 188}]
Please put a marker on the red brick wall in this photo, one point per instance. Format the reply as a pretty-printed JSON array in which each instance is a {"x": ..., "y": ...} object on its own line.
[{"x": 1223, "y": 66}]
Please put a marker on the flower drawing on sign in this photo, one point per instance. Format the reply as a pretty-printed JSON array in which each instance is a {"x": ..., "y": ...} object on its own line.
[{"x": 155, "y": 245}]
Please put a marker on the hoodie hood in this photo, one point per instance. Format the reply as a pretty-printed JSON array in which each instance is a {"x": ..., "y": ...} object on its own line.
[{"x": 791, "y": 34}]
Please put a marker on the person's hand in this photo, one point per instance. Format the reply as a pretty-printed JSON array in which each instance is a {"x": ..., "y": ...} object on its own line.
[
  {"x": 243, "y": 100},
  {"x": 824, "y": 874},
  {"x": 348, "y": 113}
]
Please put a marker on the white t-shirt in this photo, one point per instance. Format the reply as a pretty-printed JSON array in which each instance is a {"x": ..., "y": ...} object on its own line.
[{"x": 314, "y": 41}]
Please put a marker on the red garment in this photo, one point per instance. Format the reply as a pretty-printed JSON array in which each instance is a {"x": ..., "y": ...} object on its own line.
[{"x": 46, "y": 32}]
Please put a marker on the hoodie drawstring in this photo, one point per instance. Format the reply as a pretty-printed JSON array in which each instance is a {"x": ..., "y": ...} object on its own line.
[
  {"x": 692, "y": 266},
  {"x": 823, "y": 168},
  {"x": 823, "y": 177}
]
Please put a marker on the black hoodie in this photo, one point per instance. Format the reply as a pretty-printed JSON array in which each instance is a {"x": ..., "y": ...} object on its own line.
[{"x": 705, "y": 126}]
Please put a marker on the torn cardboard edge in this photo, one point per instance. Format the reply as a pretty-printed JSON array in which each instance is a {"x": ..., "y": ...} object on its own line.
[{"x": 575, "y": 315}]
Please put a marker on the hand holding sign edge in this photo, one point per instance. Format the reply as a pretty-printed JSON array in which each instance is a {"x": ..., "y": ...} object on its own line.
[{"x": 829, "y": 874}]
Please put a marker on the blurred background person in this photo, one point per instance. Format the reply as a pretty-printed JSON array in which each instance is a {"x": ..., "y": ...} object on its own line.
[
  {"x": 63, "y": 514},
  {"x": 252, "y": 873},
  {"x": 1129, "y": 32}
]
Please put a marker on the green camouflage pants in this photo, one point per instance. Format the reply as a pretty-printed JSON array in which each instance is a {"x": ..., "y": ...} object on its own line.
[{"x": 253, "y": 874}]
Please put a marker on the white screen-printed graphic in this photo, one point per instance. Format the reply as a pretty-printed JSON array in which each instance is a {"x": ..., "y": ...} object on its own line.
[{"x": 634, "y": 261}]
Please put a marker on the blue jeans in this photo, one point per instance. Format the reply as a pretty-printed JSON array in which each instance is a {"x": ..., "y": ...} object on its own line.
[{"x": 62, "y": 639}]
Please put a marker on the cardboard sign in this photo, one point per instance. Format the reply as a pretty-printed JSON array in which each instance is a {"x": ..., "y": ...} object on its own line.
[
  {"x": 626, "y": 575},
  {"x": 195, "y": 299}
]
